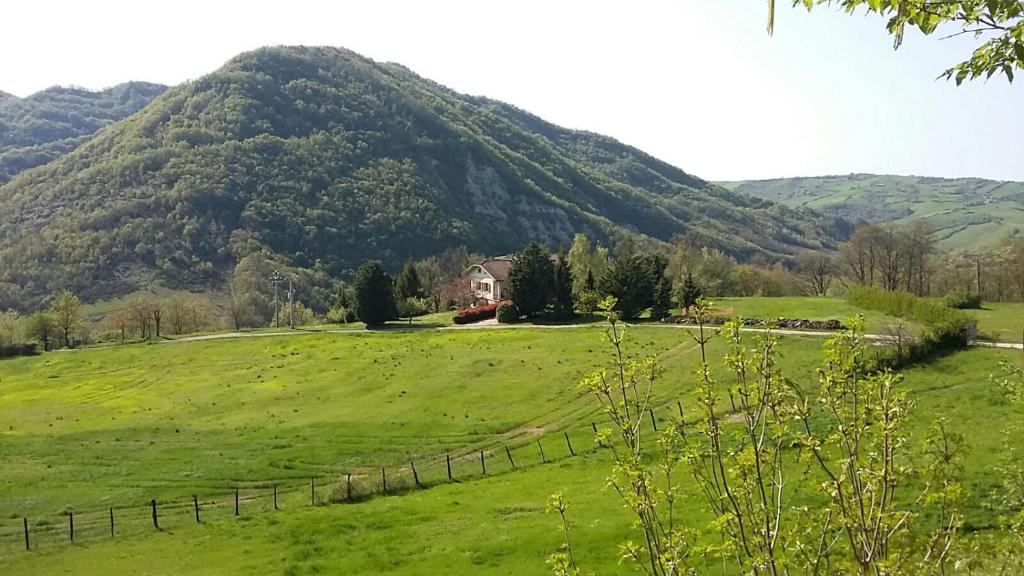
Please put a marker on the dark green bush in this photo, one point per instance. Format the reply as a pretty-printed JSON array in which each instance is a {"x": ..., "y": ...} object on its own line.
[
  {"x": 12, "y": 350},
  {"x": 508, "y": 313}
]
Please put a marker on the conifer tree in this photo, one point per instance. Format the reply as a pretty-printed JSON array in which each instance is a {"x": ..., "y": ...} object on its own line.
[
  {"x": 375, "y": 294},
  {"x": 531, "y": 279}
]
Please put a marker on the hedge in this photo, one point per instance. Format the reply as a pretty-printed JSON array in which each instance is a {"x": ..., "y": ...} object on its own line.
[
  {"x": 477, "y": 313},
  {"x": 12, "y": 350}
]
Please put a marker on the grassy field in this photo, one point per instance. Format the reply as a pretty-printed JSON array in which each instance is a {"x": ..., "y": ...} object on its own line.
[
  {"x": 492, "y": 525},
  {"x": 1000, "y": 321},
  {"x": 801, "y": 307}
]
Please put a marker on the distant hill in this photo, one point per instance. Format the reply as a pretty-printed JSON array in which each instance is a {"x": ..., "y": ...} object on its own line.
[
  {"x": 322, "y": 158},
  {"x": 48, "y": 124},
  {"x": 966, "y": 212}
]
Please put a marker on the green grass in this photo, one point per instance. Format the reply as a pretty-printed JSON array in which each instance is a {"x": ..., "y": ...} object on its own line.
[
  {"x": 802, "y": 307},
  {"x": 1000, "y": 321},
  {"x": 494, "y": 525}
]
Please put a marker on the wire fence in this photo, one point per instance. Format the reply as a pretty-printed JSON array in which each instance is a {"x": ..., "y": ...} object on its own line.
[{"x": 42, "y": 532}]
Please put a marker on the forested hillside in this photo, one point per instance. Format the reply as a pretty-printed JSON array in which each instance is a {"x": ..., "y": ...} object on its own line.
[
  {"x": 321, "y": 159},
  {"x": 48, "y": 124},
  {"x": 965, "y": 212}
]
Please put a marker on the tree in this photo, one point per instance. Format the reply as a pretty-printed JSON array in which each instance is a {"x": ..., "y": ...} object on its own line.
[
  {"x": 41, "y": 326},
  {"x": 10, "y": 327},
  {"x": 431, "y": 278},
  {"x": 816, "y": 270},
  {"x": 375, "y": 295},
  {"x": 689, "y": 294},
  {"x": 156, "y": 312},
  {"x": 66, "y": 311},
  {"x": 407, "y": 285},
  {"x": 119, "y": 320},
  {"x": 1000, "y": 22},
  {"x": 409, "y": 307},
  {"x": 561, "y": 297},
  {"x": 531, "y": 280},
  {"x": 629, "y": 282},
  {"x": 662, "y": 305}
]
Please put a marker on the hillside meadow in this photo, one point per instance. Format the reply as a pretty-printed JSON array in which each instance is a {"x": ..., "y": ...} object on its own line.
[{"x": 481, "y": 525}]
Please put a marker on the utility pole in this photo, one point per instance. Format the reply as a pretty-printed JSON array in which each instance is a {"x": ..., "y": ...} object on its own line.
[
  {"x": 291, "y": 305},
  {"x": 276, "y": 279},
  {"x": 977, "y": 263}
]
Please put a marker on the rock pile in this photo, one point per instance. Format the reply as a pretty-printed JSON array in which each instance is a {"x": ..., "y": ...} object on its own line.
[{"x": 792, "y": 323}]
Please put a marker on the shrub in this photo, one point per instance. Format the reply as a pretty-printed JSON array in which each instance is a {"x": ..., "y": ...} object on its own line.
[
  {"x": 477, "y": 313},
  {"x": 508, "y": 313},
  {"x": 12, "y": 350},
  {"x": 962, "y": 300}
]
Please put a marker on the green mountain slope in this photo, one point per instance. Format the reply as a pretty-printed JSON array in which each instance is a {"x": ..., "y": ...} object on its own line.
[
  {"x": 326, "y": 158},
  {"x": 966, "y": 212},
  {"x": 48, "y": 124}
]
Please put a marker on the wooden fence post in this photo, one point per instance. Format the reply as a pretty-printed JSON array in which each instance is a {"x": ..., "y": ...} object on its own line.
[
  {"x": 348, "y": 487},
  {"x": 415, "y": 476},
  {"x": 483, "y": 467},
  {"x": 542, "y": 457},
  {"x": 448, "y": 461},
  {"x": 27, "y": 547},
  {"x": 71, "y": 526},
  {"x": 594, "y": 426},
  {"x": 383, "y": 480},
  {"x": 312, "y": 491},
  {"x": 509, "y": 454},
  {"x": 569, "y": 444},
  {"x": 195, "y": 504},
  {"x": 236, "y": 500},
  {"x": 156, "y": 522},
  {"x": 654, "y": 423},
  {"x": 680, "y": 406},
  {"x": 275, "y": 496},
  {"x": 111, "y": 521}
]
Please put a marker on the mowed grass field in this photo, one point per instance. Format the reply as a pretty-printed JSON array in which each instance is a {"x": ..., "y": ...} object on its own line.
[
  {"x": 1000, "y": 321},
  {"x": 492, "y": 525},
  {"x": 803, "y": 308}
]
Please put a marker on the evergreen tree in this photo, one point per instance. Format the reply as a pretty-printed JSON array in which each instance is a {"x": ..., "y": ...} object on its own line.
[
  {"x": 531, "y": 279},
  {"x": 690, "y": 293},
  {"x": 629, "y": 281},
  {"x": 561, "y": 298},
  {"x": 375, "y": 294},
  {"x": 662, "y": 305},
  {"x": 408, "y": 282}
]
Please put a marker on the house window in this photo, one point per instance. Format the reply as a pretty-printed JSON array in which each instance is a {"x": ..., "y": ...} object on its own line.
[{"x": 487, "y": 288}]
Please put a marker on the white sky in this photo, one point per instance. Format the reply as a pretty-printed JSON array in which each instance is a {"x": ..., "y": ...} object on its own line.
[{"x": 698, "y": 83}]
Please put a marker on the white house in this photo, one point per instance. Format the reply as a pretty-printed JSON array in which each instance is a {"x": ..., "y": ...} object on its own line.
[{"x": 486, "y": 278}]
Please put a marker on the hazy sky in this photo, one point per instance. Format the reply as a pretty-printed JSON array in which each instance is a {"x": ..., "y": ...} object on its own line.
[{"x": 698, "y": 83}]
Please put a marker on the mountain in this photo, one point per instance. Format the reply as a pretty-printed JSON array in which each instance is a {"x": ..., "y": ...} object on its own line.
[
  {"x": 321, "y": 159},
  {"x": 51, "y": 123},
  {"x": 967, "y": 213}
]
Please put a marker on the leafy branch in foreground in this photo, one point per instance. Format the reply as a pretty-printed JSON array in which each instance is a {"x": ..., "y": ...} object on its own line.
[
  {"x": 1000, "y": 21},
  {"x": 795, "y": 483}
]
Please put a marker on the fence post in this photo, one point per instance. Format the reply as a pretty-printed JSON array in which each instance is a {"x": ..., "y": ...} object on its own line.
[
  {"x": 483, "y": 467},
  {"x": 680, "y": 406},
  {"x": 569, "y": 444},
  {"x": 27, "y": 547},
  {"x": 384, "y": 479},
  {"x": 448, "y": 461},
  {"x": 71, "y": 526},
  {"x": 654, "y": 423},
  {"x": 275, "y": 496},
  {"x": 111, "y": 521},
  {"x": 236, "y": 500},
  {"x": 594, "y": 426},
  {"x": 542, "y": 457},
  {"x": 156, "y": 523},
  {"x": 195, "y": 503},
  {"x": 312, "y": 491},
  {"x": 415, "y": 476},
  {"x": 348, "y": 487},
  {"x": 509, "y": 454}
]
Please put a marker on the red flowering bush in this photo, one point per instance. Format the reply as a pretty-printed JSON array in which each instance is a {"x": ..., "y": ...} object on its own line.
[{"x": 477, "y": 313}]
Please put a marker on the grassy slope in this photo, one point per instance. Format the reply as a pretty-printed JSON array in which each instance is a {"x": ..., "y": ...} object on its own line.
[
  {"x": 967, "y": 212},
  {"x": 491, "y": 526},
  {"x": 1000, "y": 321}
]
